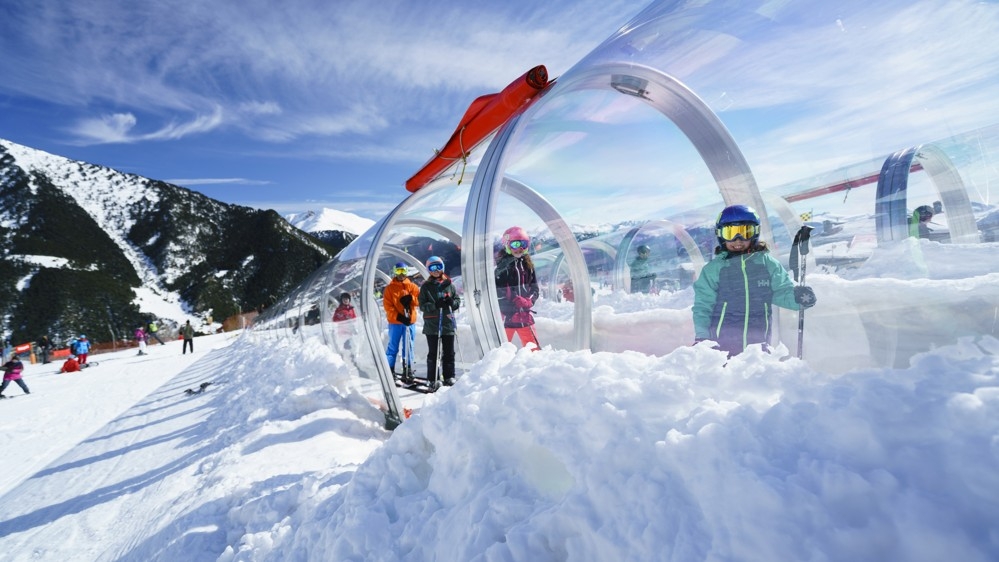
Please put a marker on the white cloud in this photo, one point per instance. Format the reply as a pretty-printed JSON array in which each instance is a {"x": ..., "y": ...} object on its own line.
[
  {"x": 118, "y": 128},
  {"x": 304, "y": 70},
  {"x": 106, "y": 128}
]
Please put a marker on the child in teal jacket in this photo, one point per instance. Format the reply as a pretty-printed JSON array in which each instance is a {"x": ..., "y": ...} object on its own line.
[{"x": 735, "y": 292}]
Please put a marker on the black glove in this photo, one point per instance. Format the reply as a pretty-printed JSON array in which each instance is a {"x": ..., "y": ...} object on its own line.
[
  {"x": 406, "y": 300},
  {"x": 444, "y": 302},
  {"x": 403, "y": 319},
  {"x": 804, "y": 296}
]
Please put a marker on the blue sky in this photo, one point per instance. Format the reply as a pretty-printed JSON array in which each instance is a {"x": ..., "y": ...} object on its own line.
[{"x": 291, "y": 106}]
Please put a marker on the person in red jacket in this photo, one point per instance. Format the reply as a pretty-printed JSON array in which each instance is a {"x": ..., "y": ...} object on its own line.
[
  {"x": 400, "y": 300},
  {"x": 71, "y": 365},
  {"x": 344, "y": 316},
  {"x": 345, "y": 311}
]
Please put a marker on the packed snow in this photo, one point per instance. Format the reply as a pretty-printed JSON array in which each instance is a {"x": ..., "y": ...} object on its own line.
[{"x": 552, "y": 455}]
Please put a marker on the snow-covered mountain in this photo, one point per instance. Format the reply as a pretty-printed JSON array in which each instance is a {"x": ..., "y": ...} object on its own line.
[
  {"x": 329, "y": 220},
  {"x": 336, "y": 228},
  {"x": 84, "y": 248}
]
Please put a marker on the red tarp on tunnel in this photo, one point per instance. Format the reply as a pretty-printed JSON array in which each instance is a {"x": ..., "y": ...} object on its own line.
[{"x": 485, "y": 115}]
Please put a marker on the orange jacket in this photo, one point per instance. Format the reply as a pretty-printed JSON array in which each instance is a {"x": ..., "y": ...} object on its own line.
[{"x": 395, "y": 291}]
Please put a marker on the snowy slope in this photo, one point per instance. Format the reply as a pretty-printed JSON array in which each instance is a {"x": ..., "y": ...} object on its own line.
[{"x": 531, "y": 456}]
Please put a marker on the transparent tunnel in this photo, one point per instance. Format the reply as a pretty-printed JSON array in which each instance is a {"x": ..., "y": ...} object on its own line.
[{"x": 839, "y": 117}]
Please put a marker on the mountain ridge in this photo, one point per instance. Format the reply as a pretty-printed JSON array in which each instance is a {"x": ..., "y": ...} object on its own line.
[{"x": 86, "y": 248}]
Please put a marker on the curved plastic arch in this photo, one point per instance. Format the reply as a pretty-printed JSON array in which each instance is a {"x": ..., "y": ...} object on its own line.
[
  {"x": 571, "y": 252},
  {"x": 688, "y": 112},
  {"x": 369, "y": 310},
  {"x": 953, "y": 194},
  {"x": 477, "y": 251},
  {"x": 622, "y": 276},
  {"x": 667, "y": 95},
  {"x": 891, "y": 213}
]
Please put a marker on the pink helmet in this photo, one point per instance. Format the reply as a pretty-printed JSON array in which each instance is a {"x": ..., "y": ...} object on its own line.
[{"x": 515, "y": 233}]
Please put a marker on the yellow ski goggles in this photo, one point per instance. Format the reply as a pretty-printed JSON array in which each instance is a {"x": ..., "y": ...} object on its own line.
[
  {"x": 730, "y": 232},
  {"x": 401, "y": 271}
]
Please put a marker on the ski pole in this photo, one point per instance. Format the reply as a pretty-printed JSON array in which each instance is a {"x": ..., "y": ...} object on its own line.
[
  {"x": 800, "y": 247},
  {"x": 534, "y": 333},
  {"x": 440, "y": 345},
  {"x": 405, "y": 362},
  {"x": 408, "y": 335}
]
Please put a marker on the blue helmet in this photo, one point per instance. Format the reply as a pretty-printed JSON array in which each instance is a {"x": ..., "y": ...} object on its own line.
[
  {"x": 435, "y": 260},
  {"x": 738, "y": 215}
]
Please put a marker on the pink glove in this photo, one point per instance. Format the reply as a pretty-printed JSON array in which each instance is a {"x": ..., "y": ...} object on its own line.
[{"x": 522, "y": 302}]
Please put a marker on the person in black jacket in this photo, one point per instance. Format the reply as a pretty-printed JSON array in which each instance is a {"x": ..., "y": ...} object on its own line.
[
  {"x": 438, "y": 301},
  {"x": 44, "y": 347},
  {"x": 517, "y": 286}
]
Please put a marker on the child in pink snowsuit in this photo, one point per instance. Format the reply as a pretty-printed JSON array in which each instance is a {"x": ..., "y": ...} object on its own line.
[
  {"x": 140, "y": 336},
  {"x": 12, "y": 372}
]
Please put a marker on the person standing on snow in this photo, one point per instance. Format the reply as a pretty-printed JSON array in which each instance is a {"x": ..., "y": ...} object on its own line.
[
  {"x": 343, "y": 315},
  {"x": 517, "y": 286},
  {"x": 12, "y": 372},
  {"x": 45, "y": 347},
  {"x": 140, "y": 336},
  {"x": 345, "y": 311},
  {"x": 438, "y": 300},
  {"x": 642, "y": 277},
  {"x": 187, "y": 330},
  {"x": 919, "y": 222},
  {"x": 153, "y": 330},
  {"x": 736, "y": 291},
  {"x": 83, "y": 349},
  {"x": 399, "y": 301}
]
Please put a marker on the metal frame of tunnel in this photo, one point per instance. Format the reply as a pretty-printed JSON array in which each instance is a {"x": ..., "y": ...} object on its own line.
[
  {"x": 369, "y": 310},
  {"x": 667, "y": 95},
  {"x": 890, "y": 208},
  {"x": 591, "y": 243},
  {"x": 487, "y": 322}
]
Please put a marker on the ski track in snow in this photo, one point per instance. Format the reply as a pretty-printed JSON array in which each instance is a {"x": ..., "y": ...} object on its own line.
[{"x": 160, "y": 422}]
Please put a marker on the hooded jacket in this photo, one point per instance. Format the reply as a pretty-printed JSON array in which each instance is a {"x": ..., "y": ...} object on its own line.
[
  {"x": 734, "y": 298},
  {"x": 433, "y": 291},
  {"x": 394, "y": 291},
  {"x": 516, "y": 285}
]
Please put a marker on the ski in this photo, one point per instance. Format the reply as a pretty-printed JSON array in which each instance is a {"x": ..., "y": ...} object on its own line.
[
  {"x": 415, "y": 384},
  {"x": 201, "y": 388}
]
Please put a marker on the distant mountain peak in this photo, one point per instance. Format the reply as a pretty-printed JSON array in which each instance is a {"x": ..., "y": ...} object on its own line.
[{"x": 327, "y": 219}]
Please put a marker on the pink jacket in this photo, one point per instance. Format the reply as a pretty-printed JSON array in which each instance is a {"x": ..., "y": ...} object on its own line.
[
  {"x": 140, "y": 335},
  {"x": 12, "y": 370}
]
